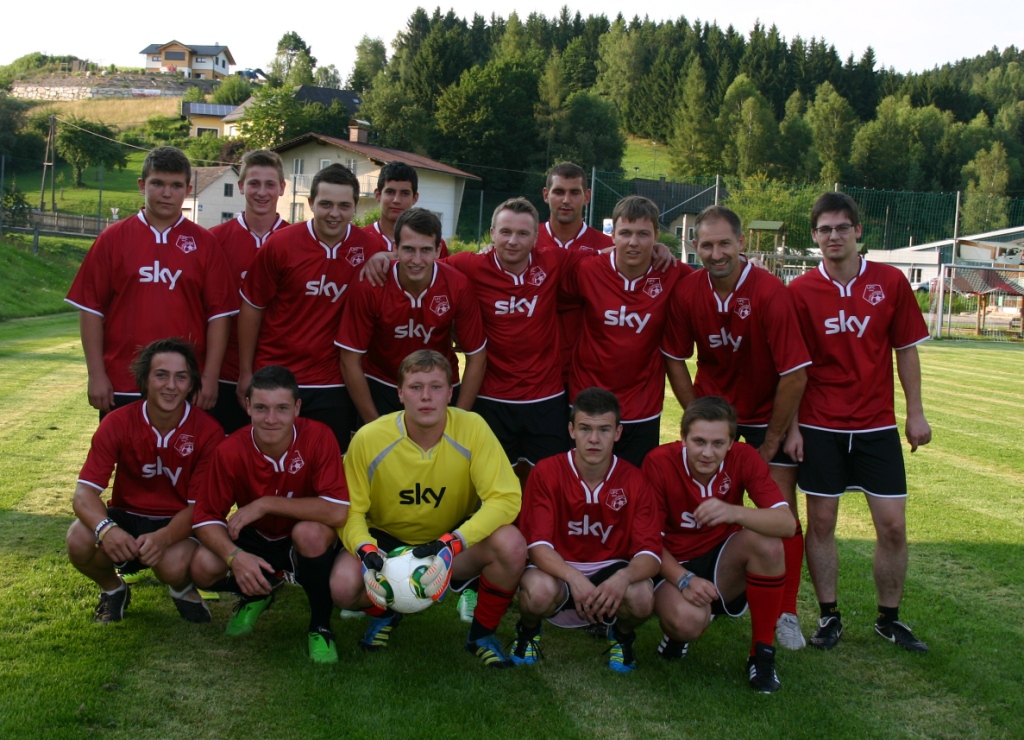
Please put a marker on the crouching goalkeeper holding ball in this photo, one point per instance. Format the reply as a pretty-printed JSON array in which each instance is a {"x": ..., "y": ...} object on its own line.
[{"x": 436, "y": 478}]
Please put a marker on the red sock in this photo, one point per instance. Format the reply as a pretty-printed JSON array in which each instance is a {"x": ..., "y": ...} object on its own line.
[
  {"x": 374, "y": 611},
  {"x": 794, "y": 549},
  {"x": 491, "y": 605},
  {"x": 764, "y": 595}
]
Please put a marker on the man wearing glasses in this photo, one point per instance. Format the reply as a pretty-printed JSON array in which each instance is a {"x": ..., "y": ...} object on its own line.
[{"x": 854, "y": 313}]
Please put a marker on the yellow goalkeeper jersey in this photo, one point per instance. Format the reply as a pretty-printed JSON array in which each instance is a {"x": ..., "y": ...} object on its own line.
[{"x": 465, "y": 481}]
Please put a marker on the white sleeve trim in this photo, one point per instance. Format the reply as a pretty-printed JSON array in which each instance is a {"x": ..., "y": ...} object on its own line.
[
  {"x": 221, "y": 316},
  {"x": 478, "y": 349},
  {"x": 913, "y": 344},
  {"x": 335, "y": 501},
  {"x": 99, "y": 489},
  {"x": 250, "y": 302},
  {"x": 648, "y": 552},
  {"x": 541, "y": 542},
  {"x": 351, "y": 349},
  {"x": 203, "y": 524},
  {"x": 794, "y": 369},
  {"x": 680, "y": 359},
  {"x": 80, "y": 307}
]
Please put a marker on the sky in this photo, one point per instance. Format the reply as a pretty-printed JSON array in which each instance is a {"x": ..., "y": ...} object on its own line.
[{"x": 908, "y": 35}]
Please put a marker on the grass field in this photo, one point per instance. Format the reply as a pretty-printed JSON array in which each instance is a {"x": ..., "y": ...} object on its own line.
[
  {"x": 120, "y": 113},
  {"x": 35, "y": 284},
  {"x": 120, "y": 189},
  {"x": 156, "y": 676}
]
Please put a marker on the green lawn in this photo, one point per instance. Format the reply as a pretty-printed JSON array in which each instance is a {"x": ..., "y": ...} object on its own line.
[
  {"x": 120, "y": 189},
  {"x": 156, "y": 676},
  {"x": 35, "y": 284}
]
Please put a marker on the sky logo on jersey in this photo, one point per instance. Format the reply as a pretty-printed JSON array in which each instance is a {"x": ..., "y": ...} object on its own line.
[
  {"x": 535, "y": 276},
  {"x": 186, "y": 244},
  {"x": 420, "y": 495},
  {"x": 325, "y": 287},
  {"x": 296, "y": 463},
  {"x": 874, "y": 294},
  {"x": 626, "y": 318},
  {"x": 615, "y": 499},
  {"x": 440, "y": 305},
  {"x": 653, "y": 287},
  {"x": 184, "y": 444},
  {"x": 687, "y": 521},
  {"x": 843, "y": 323},
  {"x": 743, "y": 307},
  {"x": 157, "y": 274},
  {"x": 596, "y": 528},
  {"x": 724, "y": 339},
  {"x": 515, "y": 305},
  {"x": 414, "y": 331},
  {"x": 153, "y": 470}
]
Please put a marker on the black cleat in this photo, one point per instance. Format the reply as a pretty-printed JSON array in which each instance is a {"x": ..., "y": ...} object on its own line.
[
  {"x": 830, "y": 629},
  {"x": 111, "y": 607},
  {"x": 899, "y": 634},
  {"x": 761, "y": 667}
]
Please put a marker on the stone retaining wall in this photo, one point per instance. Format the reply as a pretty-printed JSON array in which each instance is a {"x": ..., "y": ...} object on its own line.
[{"x": 82, "y": 87}]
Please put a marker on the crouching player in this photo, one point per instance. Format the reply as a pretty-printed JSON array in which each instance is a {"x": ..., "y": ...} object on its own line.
[
  {"x": 720, "y": 556},
  {"x": 437, "y": 478},
  {"x": 594, "y": 537},
  {"x": 159, "y": 445},
  {"x": 285, "y": 475}
]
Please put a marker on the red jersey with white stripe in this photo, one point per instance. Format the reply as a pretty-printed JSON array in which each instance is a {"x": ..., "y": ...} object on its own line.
[
  {"x": 155, "y": 472},
  {"x": 615, "y": 521},
  {"x": 851, "y": 331},
  {"x": 745, "y": 342},
  {"x": 240, "y": 246},
  {"x": 623, "y": 322},
  {"x": 520, "y": 320},
  {"x": 148, "y": 285},
  {"x": 386, "y": 324},
  {"x": 300, "y": 283},
  {"x": 570, "y": 313},
  {"x": 679, "y": 494},
  {"x": 385, "y": 244},
  {"x": 239, "y": 474}
]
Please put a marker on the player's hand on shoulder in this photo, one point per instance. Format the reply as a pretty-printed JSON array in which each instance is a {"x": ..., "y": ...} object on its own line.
[
  {"x": 713, "y": 512},
  {"x": 919, "y": 432},
  {"x": 700, "y": 592},
  {"x": 443, "y": 551},
  {"x": 372, "y": 561},
  {"x": 486, "y": 248},
  {"x": 101, "y": 392},
  {"x": 375, "y": 270},
  {"x": 662, "y": 258}
]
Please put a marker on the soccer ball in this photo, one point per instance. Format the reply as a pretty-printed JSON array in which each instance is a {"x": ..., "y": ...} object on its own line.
[{"x": 401, "y": 574}]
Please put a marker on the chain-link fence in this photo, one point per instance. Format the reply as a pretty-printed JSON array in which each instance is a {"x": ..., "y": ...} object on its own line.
[{"x": 977, "y": 302}]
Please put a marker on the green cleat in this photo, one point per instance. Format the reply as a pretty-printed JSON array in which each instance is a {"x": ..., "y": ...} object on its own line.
[
  {"x": 247, "y": 611},
  {"x": 467, "y": 605},
  {"x": 322, "y": 648}
]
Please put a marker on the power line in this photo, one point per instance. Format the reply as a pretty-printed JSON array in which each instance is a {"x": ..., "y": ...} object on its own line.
[{"x": 132, "y": 146}]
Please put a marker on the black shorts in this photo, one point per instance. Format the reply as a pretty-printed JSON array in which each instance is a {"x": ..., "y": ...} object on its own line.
[
  {"x": 136, "y": 525},
  {"x": 638, "y": 438},
  {"x": 122, "y": 399},
  {"x": 276, "y": 552},
  {"x": 528, "y": 431},
  {"x": 754, "y": 436},
  {"x": 706, "y": 566},
  {"x": 227, "y": 411},
  {"x": 386, "y": 543},
  {"x": 836, "y": 462},
  {"x": 333, "y": 407}
]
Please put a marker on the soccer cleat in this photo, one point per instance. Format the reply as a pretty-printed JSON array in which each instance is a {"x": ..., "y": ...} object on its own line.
[
  {"x": 621, "y": 658},
  {"x": 209, "y": 595},
  {"x": 191, "y": 606},
  {"x": 489, "y": 651},
  {"x": 525, "y": 647},
  {"x": 247, "y": 611},
  {"x": 830, "y": 629},
  {"x": 899, "y": 634},
  {"x": 787, "y": 632},
  {"x": 111, "y": 606},
  {"x": 132, "y": 576},
  {"x": 378, "y": 632},
  {"x": 322, "y": 648},
  {"x": 348, "y": 614},
  {"x": 670, "y": 649},
  {"x": 761, "y": 667},
  {"x": 467, "y": 605}
]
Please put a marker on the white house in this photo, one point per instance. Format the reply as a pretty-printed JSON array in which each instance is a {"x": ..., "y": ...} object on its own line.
[
  {"x": 200, "y": 62},
  {"x": 215, "y": 196}
]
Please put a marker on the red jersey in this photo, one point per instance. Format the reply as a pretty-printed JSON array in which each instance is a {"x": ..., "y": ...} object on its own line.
[
  {"x": 385, "y": 323},
  {"x": 148, "y": 285},
  {"x": 154, "y": 471},
  {"x": 300, "y": 284},
  {"x": 570, "y": 313},
  {"x": 616, "y": 521},
  {"x": 679, "y": 494},
  {"x": 851, "y": 331},
  {"x": 744, "y": 342},
  {"x": 239, "y": 474},
  {"x": 240, "y": 246},
  {"x": 384, "y": 244},
  {"x": 520, "y": 320},
  {"x": 623, "y": 320}
]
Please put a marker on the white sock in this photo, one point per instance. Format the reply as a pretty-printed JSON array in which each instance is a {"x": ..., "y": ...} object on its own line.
[
  {"x": 180, "y": 594},
  {"x": 116, "y": 590}
]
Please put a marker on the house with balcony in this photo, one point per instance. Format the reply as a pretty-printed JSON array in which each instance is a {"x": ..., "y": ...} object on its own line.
[{"x": 199, "y": 62}]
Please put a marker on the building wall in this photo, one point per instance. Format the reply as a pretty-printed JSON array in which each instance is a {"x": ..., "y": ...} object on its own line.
[
  {"x": 212, "y": 204},
  {"x": 197, "y": 121}
]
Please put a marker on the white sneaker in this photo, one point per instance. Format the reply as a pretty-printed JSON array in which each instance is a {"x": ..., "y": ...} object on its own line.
[{"x": 787, "y": 632}]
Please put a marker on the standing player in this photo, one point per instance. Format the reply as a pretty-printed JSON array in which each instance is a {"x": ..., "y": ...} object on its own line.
[
  {"x": 284, "y": 474},
  {"x": 150, "y": 276},
  {"x": 261, "y": 181},
  {"x": 434, "y": 477},
  {"x": 294, "y": 294},
  {"x": 397, "y": 191},
  {"x": 750, "y": 352},
  {"x": 421, "y": 305},
  {"x": 854, "y": 314},
  {"x": 159, "y": 446},
  {"x": 592, "y": 530},
  {"x": 719, "y": 555},
  {"x": 625, "y": 306}
]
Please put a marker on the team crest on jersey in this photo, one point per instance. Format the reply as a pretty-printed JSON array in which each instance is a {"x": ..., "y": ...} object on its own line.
[
  {"x": 184, "y": 444},
  {"x": 724, "y": 485},
  {"x": 743, "y": 307},
  {"x": 653, "y": 287},
  {"x": 440, "y": 305},
  {"x": 874, "y": 294},
  {"x": 355, "y": 256},
  {"x": 616, "y": 499},
  {"x": 296, "y": 463},
  {"x": 535, "y": 276},
  {"x": 186, "y": 244}
]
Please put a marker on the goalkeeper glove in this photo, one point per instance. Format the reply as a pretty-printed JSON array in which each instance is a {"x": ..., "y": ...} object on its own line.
[
  {"x": 443, "y": 551},
  {"x": 377, "y": 589}
]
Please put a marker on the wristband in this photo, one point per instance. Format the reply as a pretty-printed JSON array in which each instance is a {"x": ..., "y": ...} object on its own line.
[
  {"x": 684, "y": 580},
  {"x": 107, "y": 526},
  {"x": 101, "y": 526},
  {"x": 231, "y": 558}
]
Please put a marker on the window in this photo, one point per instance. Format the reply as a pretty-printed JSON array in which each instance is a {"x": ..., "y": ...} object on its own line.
[
  {"x": 207, "y": 132},
  {"x": 156, "y": 58},
  {"x": 691, "y": 234},
  {"x": 352, "y": 165},
  {"x": 226, "y": 216},
  {"x": 915, "y": 274},
  {"x": 174, "y": 56},
  {"x": 297, "y": 166},
  {"x": 691, "y": 258},
  {"x": 325, "y": 163},
  {"x": 229, "y": 190},
  {"x": 298, "y": 213},
  {"x": 201, "y": 60}
]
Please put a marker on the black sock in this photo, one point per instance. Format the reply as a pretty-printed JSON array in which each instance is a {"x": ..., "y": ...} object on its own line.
[
  {"x": 477, "y": 630},
  {"x": 829, "y": 609},
  {"x": 887, "y": 615},
  {"x": 314, "y": 575},
  {"x": 527, "y": 631}
]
